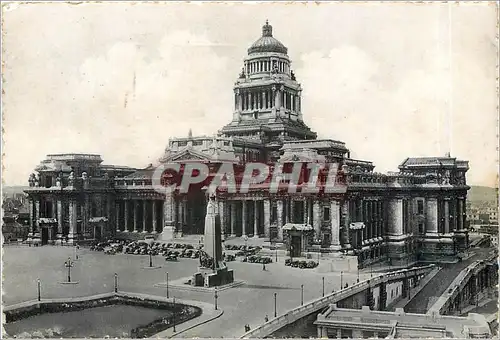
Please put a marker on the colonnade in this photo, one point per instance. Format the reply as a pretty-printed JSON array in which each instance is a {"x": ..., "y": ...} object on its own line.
[
  {"x": 140, "y": 215},
  {"x": 444, "y": 215},
  {"x": 266, "y": 65},
  {"x": 265, "y": 99}
]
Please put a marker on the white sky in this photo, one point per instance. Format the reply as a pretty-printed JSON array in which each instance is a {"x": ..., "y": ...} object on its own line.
[{"x": 391, "y": 80}]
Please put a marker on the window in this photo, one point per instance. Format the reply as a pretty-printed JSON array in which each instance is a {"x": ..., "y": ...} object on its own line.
[
  {"x": 421, "y": 228},
  {"x": 326, "y": 213},
  {"x": 420, "y": 207}
]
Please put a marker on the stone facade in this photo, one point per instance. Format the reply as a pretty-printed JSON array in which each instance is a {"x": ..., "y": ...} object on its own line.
[{"x": 415, "y": 214}]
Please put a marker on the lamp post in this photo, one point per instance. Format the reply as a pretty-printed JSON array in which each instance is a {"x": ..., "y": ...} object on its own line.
[
  {"x": 276, "y": 253},
  {"x": 116, "y": 283},
  {"x": 215, "y": 297},
  {"x": 173, "y": 312},
  {"x": 357, "y": 280},
  {"x": 301, "y": 295},
  {"x": 167, "y": 286},
  {"x": 323, "y": 279},
  {"x": 150, "y": 258},
  {"x": 75, "y": 252},
  {"x": 275, "y": 306},
  {"x": 341, "y": 280},
  {"x": 68, "y": 264},
  {"x": 38, "y": 289},
  {"x": 246, "y": 252}
]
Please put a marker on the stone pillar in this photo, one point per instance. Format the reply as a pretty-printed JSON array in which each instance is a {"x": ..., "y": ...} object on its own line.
[
  {"x": 233, "y": 206},
  {"x": 431, "y": 215},
  {"x": 396, "y": 216},
  {"x": 256, "y": 218},
  {"x": 335, "y": 224},
  {"x": 32, "y": 215},
  {"x": 136, "y": 209},
  {"x": 37, "y": 215},
  {"x": 154, "y": 216},
  {"x": 72, "y": 220},
  {"x": 267, "y": 218},
  {"x": 144, "y": 216},
  {"x": 346, "y": 221},
  {"x": 317, "y": 219},
  {"x": 117, "y": 210},
  {"x": 460, "y": 216},
  {"x": 125, "y": 215},
  {"x": 306, "y": 206},
  {"x": 446, "y": 215},
  {"x": 243, "y": 218},
  {"x": 288, "y": 206},
  {"x": 169, "y": 212},
  {"x": 59, "y": 217},
  {"x": 279, "y": 208}
]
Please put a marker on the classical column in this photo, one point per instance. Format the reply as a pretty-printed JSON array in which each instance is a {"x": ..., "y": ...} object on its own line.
[
  {"x": 256, "y": 218},
  {"x": 59, "y": 217},
  {"x": 279, "y": 208},
  {"x": 243, "y": 218},
  {"x": 317, "y": 219},
  {"x": 155, "y": 217},
  {"x": 335, "y": 224},
  {"x": 446, "y": 215},
  {"x": 117, "y": 209},
  {"x": 72, "y": 218},
  {"x": 144, "y": 216},
  {"x": 32, "y": 215},
  {"x": 396, "y": 216},
  {"x": 135, "y": 205},
  {"x": 184, "y": 216},
  {"x": 264, "y": 100},
  {"x": 431, "y": 215},
  {"x": 37, "y": 215},
  {"x": 232, "y": 207},
  {"x": 125, "y": 215},
  {"x": 306, "y": 206},
  {"x": 346, "y": 221},
  {"x": 460, "y": 214},
  {"x": 249, "y": 101},
  {"x": 267, "y": 218},
  {"x": 288, "y": 206}
]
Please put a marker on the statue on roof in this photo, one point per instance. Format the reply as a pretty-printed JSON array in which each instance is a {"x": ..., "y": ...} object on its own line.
[
  {"x": 32, "y": 180},
  {"x": 190, "y": 133},
  {"x": 292, "y": 75},
  {"x": 242, "y": 74},
  {"x": 71, "y": 179}
]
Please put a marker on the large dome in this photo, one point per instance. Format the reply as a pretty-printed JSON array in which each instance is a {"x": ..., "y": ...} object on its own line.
[{"x": 267, "y": 43}]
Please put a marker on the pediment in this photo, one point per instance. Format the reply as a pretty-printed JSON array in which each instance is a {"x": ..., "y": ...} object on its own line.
[{"x": 189, "y": 155}]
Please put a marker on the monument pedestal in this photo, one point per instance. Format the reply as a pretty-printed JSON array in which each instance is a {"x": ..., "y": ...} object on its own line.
[{"x": 207, "y": 277}]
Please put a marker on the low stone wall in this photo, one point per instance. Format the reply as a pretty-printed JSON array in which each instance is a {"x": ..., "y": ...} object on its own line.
[{"x": 182, "y": 312}]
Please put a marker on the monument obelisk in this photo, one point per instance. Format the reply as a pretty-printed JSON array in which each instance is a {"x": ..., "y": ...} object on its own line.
[
  {"x": 212, "y": 237},
  {"x": 212, "y": 271}
]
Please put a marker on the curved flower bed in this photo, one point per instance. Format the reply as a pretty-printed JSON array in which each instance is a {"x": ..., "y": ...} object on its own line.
[{"x": 182, "y": 312}]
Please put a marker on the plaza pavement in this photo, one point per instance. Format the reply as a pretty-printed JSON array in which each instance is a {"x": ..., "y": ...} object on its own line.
[{"x": 245, "y": 304}]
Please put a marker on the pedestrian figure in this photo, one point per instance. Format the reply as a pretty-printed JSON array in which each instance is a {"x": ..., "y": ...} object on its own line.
[
  {"x": 263, "y": 266},
  {"x": 266, "y": 319}
]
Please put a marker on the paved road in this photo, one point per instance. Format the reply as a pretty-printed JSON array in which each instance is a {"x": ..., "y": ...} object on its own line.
[
  {"x": 438, "y": 284},
  {"x": 246, "y": 304}
]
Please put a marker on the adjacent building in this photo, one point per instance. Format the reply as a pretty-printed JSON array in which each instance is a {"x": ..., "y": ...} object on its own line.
[{"x": 416, "y": 213}]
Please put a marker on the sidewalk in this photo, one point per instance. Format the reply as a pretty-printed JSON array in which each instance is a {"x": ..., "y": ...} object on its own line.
[{"x": 208, "y": 314}]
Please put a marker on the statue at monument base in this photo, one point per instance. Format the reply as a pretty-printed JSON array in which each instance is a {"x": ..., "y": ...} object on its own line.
[{"x": 212, "y": 271}]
